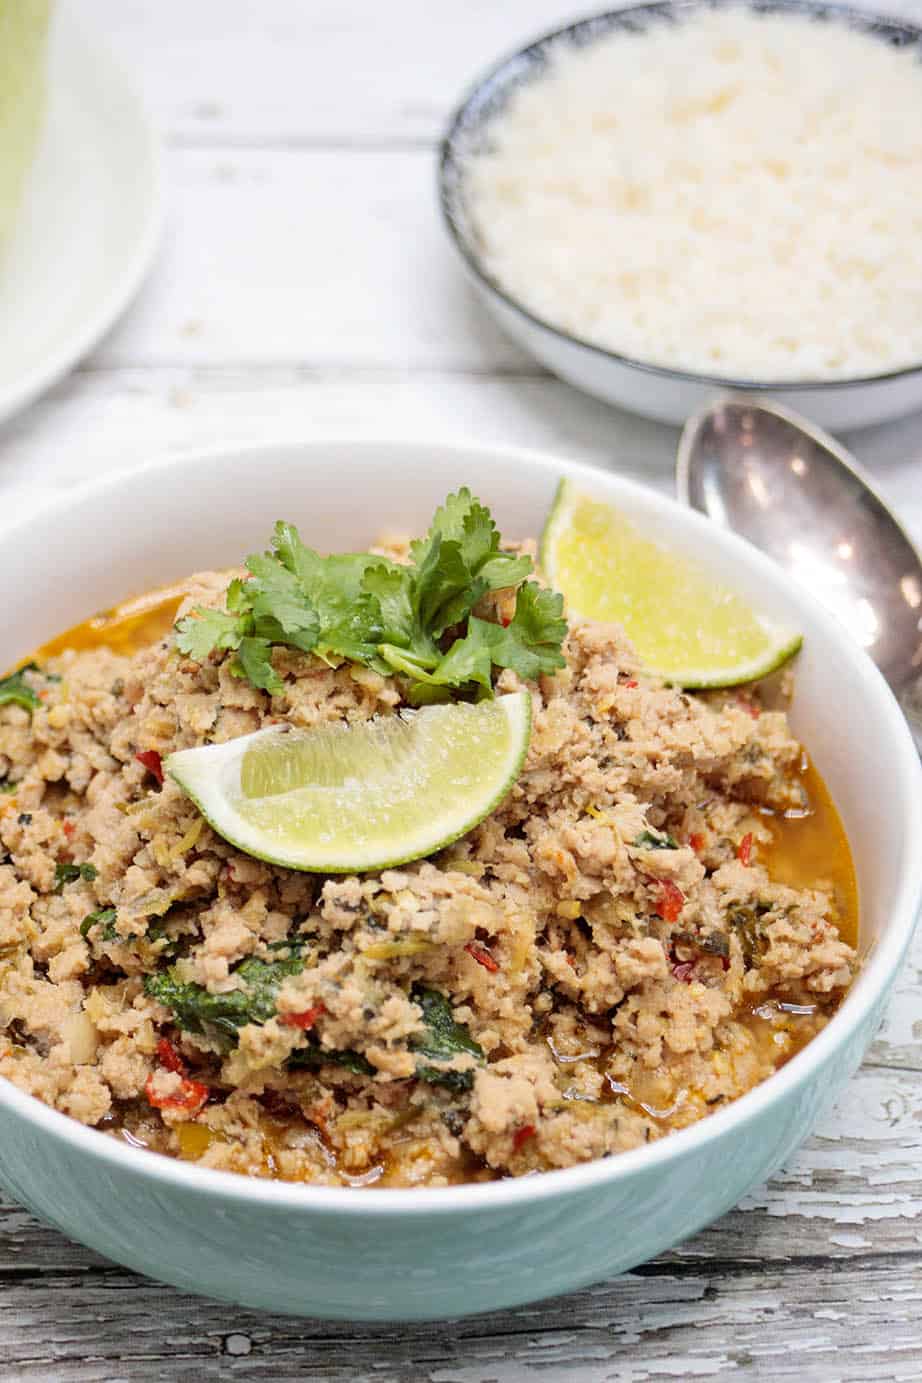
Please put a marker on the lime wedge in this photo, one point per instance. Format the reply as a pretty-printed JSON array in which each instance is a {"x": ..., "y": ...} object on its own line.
[
  {"x": 341, "y": 799},
  {"x": 686, "y": 628}
]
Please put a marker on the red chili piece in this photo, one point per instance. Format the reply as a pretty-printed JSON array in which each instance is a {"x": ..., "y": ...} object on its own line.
[
  {"x": 305, "y": 1020},
  {"x": 190, "y": 1096},
  {"x": 744, "y": 850},
  {"x": 152, "y": 762},
  {"x": 522, "y": 1135},
  {"x": 696, "y": 841},
  {"x": 169, "y": 1057},
  {"x": 68, "y": 828},
  {"x": 631, "y": 683},
  {"x": 482, "y": 956},
  {"x": 670, "y": 902}
]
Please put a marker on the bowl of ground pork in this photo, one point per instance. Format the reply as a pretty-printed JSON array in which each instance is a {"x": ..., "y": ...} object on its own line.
[
  {"x": 691, "y": 195},
  {"x": 617, "y": 964}
]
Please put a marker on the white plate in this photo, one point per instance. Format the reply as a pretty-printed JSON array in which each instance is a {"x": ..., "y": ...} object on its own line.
[{"x": 89, "y": 223}]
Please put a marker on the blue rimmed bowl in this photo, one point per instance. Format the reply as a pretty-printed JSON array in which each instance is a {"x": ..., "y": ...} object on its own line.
[{"x": 416, "y": 1254}]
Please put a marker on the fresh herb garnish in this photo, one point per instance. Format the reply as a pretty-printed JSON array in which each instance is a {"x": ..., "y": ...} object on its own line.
[
  {"x": 415, "y": 620},
  {"x": 14, "y": 690},
  {"x": 655, "y": 840},
  {"x": 220, "y": 1016},
  {"x": 106, "y": 918},
  {"x": 442, "y": 1039},
  {"x": 70, "y": 873}
]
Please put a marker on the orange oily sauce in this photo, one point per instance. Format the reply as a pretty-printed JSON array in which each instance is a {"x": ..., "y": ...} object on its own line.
[
  {"x": 126, "y": 628},
  {"x": 808, "y": 849}
]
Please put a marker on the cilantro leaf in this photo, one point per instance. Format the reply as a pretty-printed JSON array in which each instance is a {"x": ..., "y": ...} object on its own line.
[
  {"x": 392, "y": 587},
  {"x": 254, "y": 656},
  {"x": 204, "y": 630},
  {"x": 504, "y": 570},
  {"x": 462, "y": 520},
  {"x": 415, "y": 620},
  {"x": 348, "y": 616},
  {"x": 530, "y": 645},
  {"x": 459, "y": 561},
  {"x": 275, "y": 595}
]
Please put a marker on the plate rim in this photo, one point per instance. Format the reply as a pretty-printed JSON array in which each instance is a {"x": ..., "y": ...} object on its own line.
[{"x": 80, "y": 44}]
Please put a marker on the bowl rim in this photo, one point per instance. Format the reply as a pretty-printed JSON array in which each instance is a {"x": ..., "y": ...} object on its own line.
[
  {"x": 871, "y": 987},
  {"x": 450, "y": 162}
]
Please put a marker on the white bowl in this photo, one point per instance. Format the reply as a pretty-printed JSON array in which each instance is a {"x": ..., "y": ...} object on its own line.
[
  {"x": 381, "y": 1254},
  {"x": 653, "y": 391}
]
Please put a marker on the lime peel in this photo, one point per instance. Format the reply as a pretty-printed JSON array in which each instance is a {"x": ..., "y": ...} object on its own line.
[
  {"x": 343, "y": 799},
  {"x": 686, "y": 628}
]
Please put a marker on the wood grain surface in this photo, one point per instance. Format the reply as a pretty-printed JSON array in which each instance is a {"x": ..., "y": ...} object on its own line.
[{"x": 305, "y": 288}]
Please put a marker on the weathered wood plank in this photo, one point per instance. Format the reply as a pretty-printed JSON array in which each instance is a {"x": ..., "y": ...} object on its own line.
[
  {"x": 306, "y": 256},
  {"x": 858, "y": 1321},
  {"x": 899, "y": 1042},
  {"x": 826, "y": 1258},
  {"x": 103, "y": 419},
  {"x": 347, "y": 71}
]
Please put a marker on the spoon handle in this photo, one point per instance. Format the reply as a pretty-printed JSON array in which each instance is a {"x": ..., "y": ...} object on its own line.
[{"x": 910, "y": 700}]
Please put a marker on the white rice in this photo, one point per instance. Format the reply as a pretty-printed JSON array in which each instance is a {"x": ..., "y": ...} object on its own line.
[{"x": 740, "y": 194}]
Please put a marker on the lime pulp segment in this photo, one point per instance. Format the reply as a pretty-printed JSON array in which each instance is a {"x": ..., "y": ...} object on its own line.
[
  {"x": 344, "y": 798},
  {"x": 686, "y": 627}
]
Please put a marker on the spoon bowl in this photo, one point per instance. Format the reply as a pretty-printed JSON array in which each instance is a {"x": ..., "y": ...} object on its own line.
[{"x": 794, "y": 492}]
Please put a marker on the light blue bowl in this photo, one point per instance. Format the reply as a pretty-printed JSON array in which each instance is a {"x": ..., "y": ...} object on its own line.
[{"x": 383, "y": 1255}]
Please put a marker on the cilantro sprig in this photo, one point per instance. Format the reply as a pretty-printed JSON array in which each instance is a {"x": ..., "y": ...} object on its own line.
[{"x": 415, "y": 620}]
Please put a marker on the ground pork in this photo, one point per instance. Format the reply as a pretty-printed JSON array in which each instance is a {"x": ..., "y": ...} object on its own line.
[{"x": 604, "y": 959}]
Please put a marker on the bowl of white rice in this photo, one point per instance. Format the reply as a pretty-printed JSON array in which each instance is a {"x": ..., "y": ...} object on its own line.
[{"x": 700, "y": 196}]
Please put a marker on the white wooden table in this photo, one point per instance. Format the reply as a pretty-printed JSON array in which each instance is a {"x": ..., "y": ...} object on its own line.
[{"x": 305, "y": 287}]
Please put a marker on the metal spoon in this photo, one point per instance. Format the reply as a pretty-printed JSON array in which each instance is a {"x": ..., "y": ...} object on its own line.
[{"x": 798, "y": 495}]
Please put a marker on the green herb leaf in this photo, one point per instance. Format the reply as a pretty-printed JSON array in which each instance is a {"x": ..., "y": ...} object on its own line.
[
  {"x": 106, "y": 918},
  {"x": 70, "y": 873},
  {"x": 14, "y": 690},
  {"x": 312, "y": 1056},
  {"x": 256, "y": 665},
  {"x": 220, "y": 1016},
  {"x": 442, "y": 1039},
  {"x": 204, "y": 630},
  {"x": 414, "y": 620},
  {"x": 348, "y": 618},
  {"x": 651, "y": 840},
  {"x": 531, "y": 644}
]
